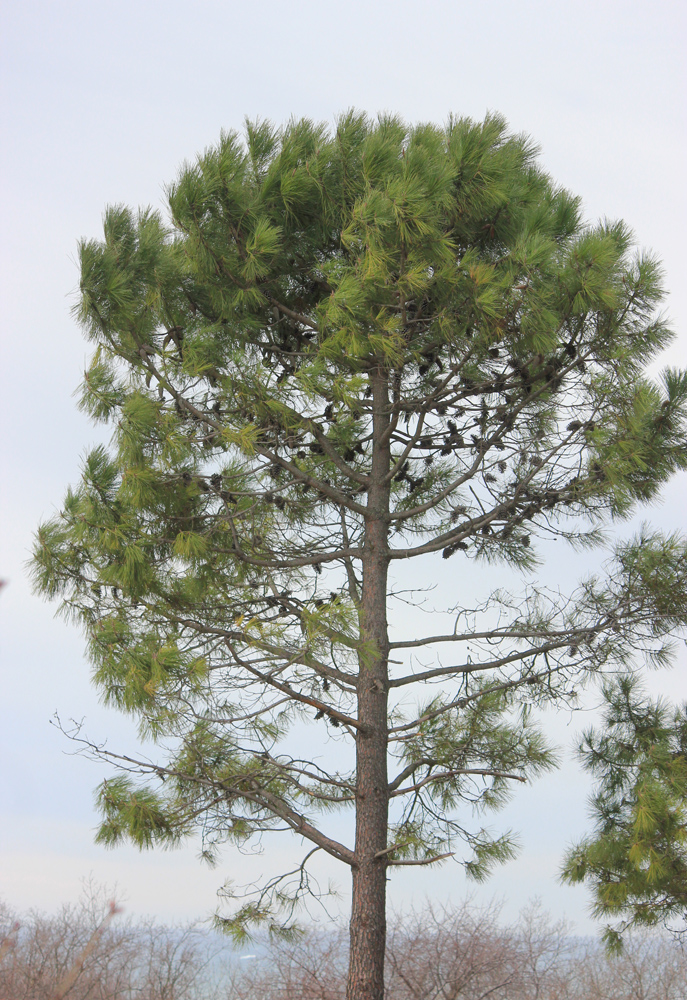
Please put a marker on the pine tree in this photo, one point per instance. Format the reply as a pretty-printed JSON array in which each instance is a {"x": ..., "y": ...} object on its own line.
[
  {"x": 344, "y": 351},
  {"x": 636, "y": 862}
]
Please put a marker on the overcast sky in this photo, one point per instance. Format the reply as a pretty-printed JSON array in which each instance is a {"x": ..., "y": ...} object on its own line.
[{"x": 101, "y": 104}]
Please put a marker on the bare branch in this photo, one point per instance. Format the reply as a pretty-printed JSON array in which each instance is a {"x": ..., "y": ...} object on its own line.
[{"x": 422, "y": 861}]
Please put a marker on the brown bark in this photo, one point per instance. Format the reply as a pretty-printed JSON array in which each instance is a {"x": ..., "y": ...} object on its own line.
[{"x": 368, "y": 910}]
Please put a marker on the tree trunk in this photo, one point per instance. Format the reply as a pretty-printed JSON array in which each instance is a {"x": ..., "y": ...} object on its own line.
[{"x": 368, "y": 909}]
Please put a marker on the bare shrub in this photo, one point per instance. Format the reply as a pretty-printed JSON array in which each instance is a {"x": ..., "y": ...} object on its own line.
[
  {"x": 650, "y": 968},
  {"x": 78, "y": 954},
  {"x": 441, "y": 953},
  {"x": 465, "y": 953},
  {"x": 446, "y": 953},
  {"x": 461, "y": 952},
  {"x": 311, "y": 968}
]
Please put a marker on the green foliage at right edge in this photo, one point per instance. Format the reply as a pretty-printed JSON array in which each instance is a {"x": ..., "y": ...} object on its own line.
[{"x": 636, "y": 860}]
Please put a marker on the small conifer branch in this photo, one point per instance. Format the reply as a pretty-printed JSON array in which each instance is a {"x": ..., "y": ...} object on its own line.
[
  {"x": 276, "y": 805},
  {"x": 247, "y": 789},
  {"x": 301, "y": 825},
  {"x": 421, "y": 861},
  {"x": 337, "y": 555},
  {"x": 303, "y": 656},
  {"x": 308, "y": 424},
  {"x": 455, "y": 773},
  {"x": 272, "y": 681},
  {"x": 322, "y": 777},
  {"x": 432, "y": 504},
  {"x": 568, "y": 635},
  {"x": 410, "y": 769},
  {"x": 462, "y": 701},
  {"x": 494, "y": 664},
  {"x": 146, "y": 355},
  {"x": 353, "y": 587},
  {"x": 333, "y": 455},
  {"x": 341, "y": 499},
  {"x": 297, "y": 317},
  {"x": 308, "y": 660},
  {"x": 389, "y": 850},
  {"x": 502, "y": 508},
  {"x": 407, "y": 450},
  {"x": 388, "y": 433},
  {"x": 469, "y": 528},
  {"x": 220, "y": 720}
]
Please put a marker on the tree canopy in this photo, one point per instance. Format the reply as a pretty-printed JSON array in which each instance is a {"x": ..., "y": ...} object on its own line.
[{"x": 340, "y": 351}]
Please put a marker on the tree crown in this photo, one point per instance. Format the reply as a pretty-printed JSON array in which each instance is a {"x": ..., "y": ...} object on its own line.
[{"x": 346, "y": 349}]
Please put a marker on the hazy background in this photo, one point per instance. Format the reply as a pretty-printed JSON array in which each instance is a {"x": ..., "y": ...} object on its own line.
[{"x": 101, "y": 104}]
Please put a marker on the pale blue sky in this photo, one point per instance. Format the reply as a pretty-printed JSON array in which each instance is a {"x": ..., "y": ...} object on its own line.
[{"x": 101, "y": 103}]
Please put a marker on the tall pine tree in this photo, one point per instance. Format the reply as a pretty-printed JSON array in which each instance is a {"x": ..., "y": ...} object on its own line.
[{"x": 344, "y": 351}]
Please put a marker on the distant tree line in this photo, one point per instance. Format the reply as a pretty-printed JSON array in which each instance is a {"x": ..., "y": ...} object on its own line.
[{"x": 437, "y": 953}]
